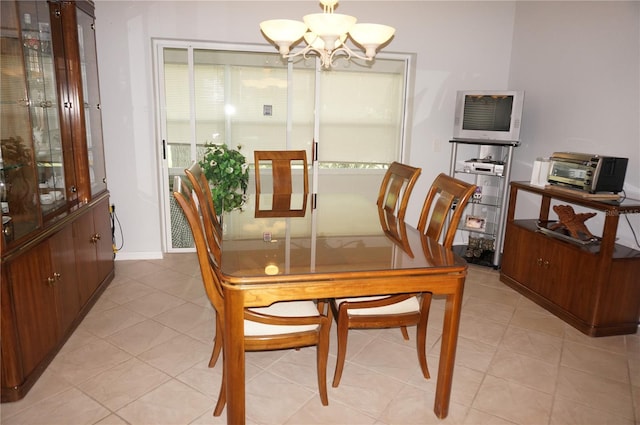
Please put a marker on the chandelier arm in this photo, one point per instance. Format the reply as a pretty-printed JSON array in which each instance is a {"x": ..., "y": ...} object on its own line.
[
  {"x": 345, "y": 50},
  {"x": 304, "y": 52}
]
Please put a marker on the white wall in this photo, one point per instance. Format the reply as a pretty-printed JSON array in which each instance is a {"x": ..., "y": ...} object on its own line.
[
  {"x": 579, "y": 63},
  {"x": 459, "y": 45}
]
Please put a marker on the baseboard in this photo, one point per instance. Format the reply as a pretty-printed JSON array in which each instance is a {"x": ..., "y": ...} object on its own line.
[{"x": 146, "y": 255}]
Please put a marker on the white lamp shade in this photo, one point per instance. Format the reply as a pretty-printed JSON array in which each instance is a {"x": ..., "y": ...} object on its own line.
[
  {"x": 312, "y": 39},
  {"x": 329, "y": 24},
  {"x": 283, "y": 30},
  {"x": 371, "y": 34}
]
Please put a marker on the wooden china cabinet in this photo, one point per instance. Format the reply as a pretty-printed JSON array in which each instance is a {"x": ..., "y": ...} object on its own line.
[{"x": 57, "y": 253}]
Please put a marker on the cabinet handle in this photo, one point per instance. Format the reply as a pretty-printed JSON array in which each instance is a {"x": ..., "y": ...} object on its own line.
[
  {"x": 546, "y": 264},
  {"x": 51, "y": 281},
  {"x": 95, "y": 238},
  {"x": 57, "y": 276},
  {"x": 539, "y": 261},
  {"x": 73, "y": 189}
]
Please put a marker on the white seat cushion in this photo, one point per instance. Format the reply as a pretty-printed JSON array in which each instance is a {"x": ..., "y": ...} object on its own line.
[
  {"x": 410, "y": 305},
  {"x": 284, "y": 309}
]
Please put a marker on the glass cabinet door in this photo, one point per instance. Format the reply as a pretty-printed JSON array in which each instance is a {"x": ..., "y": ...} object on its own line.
[
  {"x": 25, "y": 112},
  {"x": 43, "y": 104},
  {"x": 91, "y": 96}
]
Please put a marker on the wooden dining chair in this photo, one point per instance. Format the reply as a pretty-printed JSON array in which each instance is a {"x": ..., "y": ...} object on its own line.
[
  {"x": 393, "y": 196},
  {"x": 281, "y": 167},
  {"x": 201, "y": 187},
  {"x": 291, "y": 324},
  {"x": 212, "y": 231},
  {"x": 406, "y": 309}
]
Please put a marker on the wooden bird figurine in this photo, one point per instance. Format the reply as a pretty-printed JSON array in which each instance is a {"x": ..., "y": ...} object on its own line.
[{"x": 572, "y": 222}]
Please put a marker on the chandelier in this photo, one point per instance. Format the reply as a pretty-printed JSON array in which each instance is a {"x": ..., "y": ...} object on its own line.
[{"x": 325, "y": 34}]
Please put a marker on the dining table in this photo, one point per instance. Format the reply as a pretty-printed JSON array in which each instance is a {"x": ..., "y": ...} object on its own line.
[{"x": 338, "y": 248}]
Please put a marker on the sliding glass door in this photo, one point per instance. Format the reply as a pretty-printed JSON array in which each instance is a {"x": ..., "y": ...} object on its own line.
[{"x": 257, "y": 101}]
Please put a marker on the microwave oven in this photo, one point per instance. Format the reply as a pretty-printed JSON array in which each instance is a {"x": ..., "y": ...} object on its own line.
[{"x": 591, "y": 173}]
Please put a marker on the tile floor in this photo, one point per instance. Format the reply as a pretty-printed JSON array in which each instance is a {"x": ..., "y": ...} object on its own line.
[{"x": 140, "y": 357}]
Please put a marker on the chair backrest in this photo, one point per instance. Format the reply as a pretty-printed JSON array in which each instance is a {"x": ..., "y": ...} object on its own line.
[
  {"x": 206, "y": 259},
  {"x": 281, "y": 205},
  {"x": 212, "y": 227},
  {"x": 281, "y": 162},
  {"x": 444, "y": 192},
  {"x": 395, "y": 190}
]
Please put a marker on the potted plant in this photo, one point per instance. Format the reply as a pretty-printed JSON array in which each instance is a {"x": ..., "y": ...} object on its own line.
[{"x": 228, "y": 174}]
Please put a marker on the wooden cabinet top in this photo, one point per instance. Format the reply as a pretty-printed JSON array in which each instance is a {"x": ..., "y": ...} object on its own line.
[{"x": 623, "y": 206}]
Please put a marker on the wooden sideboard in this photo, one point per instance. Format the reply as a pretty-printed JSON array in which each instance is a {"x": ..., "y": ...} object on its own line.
[{"x": 593, "y": 287}]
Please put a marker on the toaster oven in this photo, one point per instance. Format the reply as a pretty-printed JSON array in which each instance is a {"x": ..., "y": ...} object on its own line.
[{"x": 588, "y": 172}]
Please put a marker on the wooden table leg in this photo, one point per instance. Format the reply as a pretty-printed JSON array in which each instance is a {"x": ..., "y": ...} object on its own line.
[
  {"x": 448, "y": 351},
  {"x": 234, "y": 356}
]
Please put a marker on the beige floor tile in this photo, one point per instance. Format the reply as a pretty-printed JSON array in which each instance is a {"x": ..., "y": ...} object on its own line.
[
  {"x": 538, "y": 345},
  {"x": 538, "y": 320},
  {"x": 335, "y": 413},
  {"x": 69, "y": 407},
  {"x": 498, "y": 295},
  {"x": 142, "y": 336},
  {"x": 204, "y": 331},
  {"x": 49, "y": 384},
  {"x": 186, "y": 316},
  {"x": 582, "y": 387},
  {"x": 271, "y": 399},
  {"x": 396, "y": 360},
  {"x": 108, "y": 322},
  {"x": 208, "y": 419},
  {"x": 112, "y": 419},
  {"x": 634, "y": 369},
  {"x": 300, "y": 366},
  {"x": 79, "y": 338},
  {"x": 470, "y": 353},
  {"x": 568, "y": 412},
  {"x": 135, "y": 269},
  {"x": 635, "y": 395},
  {"x": 415, "y": 406},
  {"x": 176, "y": 355},
  {"x": 162, "y": 278},
  {"x": 616, "y": 343},
  {"x": 87, "y": 361},
  {"x": 480, "y": 329},
  {"x": 465, "y": 386},
  {"x": 476, "y": 417},
  {"x": 485, "y": 309},
  {"x": 171, "y": 403},
  {"x": 205, "y": 379},
  {"x": 633, "y": 343},
  {"x": 154, "y": 304},
  {"x": 120, "y": 385},
  {"x": 366, "y": 390},
  {"x": 528, "y": 371},
  {"x": 183, "y": 262},
  {"x": 264, "y": 359},
  {"x": 357, "y": 339},
  {"x": 125, "y": 292},
  {"x": 190, "y": 290},
  {"x": 513, "y": 402},
  {"x": 595, "y": 361}
]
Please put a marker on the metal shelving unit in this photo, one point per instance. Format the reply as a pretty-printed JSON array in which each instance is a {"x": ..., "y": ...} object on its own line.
[{"x": 487, "y": 164}]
